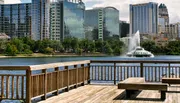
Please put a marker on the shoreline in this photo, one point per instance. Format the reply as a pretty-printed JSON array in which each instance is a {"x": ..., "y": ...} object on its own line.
[{"x": 36, "y": 55}]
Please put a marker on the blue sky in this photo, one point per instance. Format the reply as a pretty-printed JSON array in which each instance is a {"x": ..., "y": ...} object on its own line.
[{"x": 123, "y": 6}]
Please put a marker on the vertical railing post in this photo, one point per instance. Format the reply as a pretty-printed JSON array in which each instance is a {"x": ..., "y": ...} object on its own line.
[
  {"x": 89, "y": 80},
  {"x": 82, "y": 66},
  {"x": 45, "y": 83},
  {"x": 169, "y": 66},
  {"x": 66, "y": 67},
  {"x": 114, "y": 73},
  {"x": 141, "y": 70},
  {"x": 75, "y": 66},
  {"x": 28, "y": 85},
  {"x": 57, "y": 80}
]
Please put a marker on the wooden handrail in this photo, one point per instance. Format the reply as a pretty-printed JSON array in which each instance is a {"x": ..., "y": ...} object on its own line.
[
  {"x": 54, "y": 65},
  {"x": 136, "y": 61},
  {"x": 14, "y": 67}
]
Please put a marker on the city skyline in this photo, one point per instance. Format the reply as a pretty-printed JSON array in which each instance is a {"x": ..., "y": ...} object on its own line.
[{"x": 123, "y": 6}]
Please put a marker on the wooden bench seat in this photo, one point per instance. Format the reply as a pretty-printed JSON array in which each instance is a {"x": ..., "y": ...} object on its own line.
[
  {"x": 134, "y": 84},
  {"x": 171, "y": 80}
]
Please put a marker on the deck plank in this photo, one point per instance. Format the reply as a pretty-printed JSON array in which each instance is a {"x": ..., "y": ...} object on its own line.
[{"x": 110, "y": 94}]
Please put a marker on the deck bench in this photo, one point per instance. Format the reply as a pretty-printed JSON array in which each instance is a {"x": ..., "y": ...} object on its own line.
[
  {"x": 136, "y": 84},
  {"x": 171, "y": 80}
]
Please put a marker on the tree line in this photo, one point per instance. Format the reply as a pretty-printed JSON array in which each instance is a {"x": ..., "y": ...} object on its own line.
[
  {"x": 69, "y": 45},
  {"x": 170, "y": 48}
]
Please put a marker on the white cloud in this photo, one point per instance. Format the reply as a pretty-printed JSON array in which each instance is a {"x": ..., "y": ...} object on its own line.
[
  {"x": 123, "y": 6},
  {"x": 12, "y": 1}
]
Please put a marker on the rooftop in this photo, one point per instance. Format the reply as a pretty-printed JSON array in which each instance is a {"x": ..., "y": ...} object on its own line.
[{"x": 143, "y": 4}]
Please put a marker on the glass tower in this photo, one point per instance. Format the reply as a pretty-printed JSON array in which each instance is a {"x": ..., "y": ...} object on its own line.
[
  {"x": 102, "y": 23},
  {"x": 144, "y": 17},
  {"x": 67, "y": 19},
  {"x": 163, "y": 18},
  {"x": 40, "y": 19},
  {"x": 15, "y": 19}
]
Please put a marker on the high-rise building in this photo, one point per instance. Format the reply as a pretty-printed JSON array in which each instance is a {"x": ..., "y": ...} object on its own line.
[
  {"x": 173, "y": 31},
  {"x": 124, "y": 29},
  {"x": 144, "y": 17},
  {"x": 56, "y": 20},
  {"x": 15, "y": 19},
  {"x": 67, "y": 19},
  {"x": 102, "y": 23},
  {"x": 40, "y": 19},
  {"x": 1, "y": 1},
  {"x": 163, "y": 18}
]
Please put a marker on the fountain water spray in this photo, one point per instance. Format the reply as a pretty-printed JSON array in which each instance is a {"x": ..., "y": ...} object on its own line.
[
  {"x": 134, "y": 41},
  {"x": 134, "y": 48}
]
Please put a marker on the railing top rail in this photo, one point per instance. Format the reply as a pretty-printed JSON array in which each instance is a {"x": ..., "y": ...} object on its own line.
[
  {"x": 54, "y": 65},
  {"x": 136, "y": 61},
  {"x": 14, "y": 67}
]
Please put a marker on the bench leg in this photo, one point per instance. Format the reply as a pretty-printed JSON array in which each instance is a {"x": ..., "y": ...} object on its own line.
[
  {"x": 163, "y": 95},
  {"x": 128, "y": 93}
]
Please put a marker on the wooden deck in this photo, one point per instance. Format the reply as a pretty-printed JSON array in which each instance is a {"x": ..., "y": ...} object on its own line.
[{"x": 110, "y": 94}]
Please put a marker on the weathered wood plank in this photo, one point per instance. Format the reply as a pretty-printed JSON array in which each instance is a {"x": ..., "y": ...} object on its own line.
[{"x": 110, "y": 94}]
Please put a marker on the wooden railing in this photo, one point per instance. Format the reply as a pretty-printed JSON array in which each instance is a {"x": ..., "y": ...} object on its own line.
[
  {"x": 152, "y": 71},
  {"x": 27, "y": 82}
]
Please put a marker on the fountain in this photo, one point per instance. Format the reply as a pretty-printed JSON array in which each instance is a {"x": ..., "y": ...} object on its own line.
[{"x": 134, "y": 49}]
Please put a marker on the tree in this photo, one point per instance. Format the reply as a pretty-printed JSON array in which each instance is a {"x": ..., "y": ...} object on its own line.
[
  {"x": 117, "y": 51},
  {"x": 57, "y": 46},
  {"x": 108, "y": 49},
  {"x": 67, "y": 44},
  {"x": 18, "y": 43},
  {"x": 11, "y": 50},
  {"x": 84, "y": 45},
  {"x": 48, "y": 50},
  {"x": 99, "y": 45},
  {"x": 3, "y": 45},
  {"x": 74, "y": 44},
  {"x": 92, "y": 48},
  {"x": 173, "y": 48},
  {"x": 149, "y": 46}
]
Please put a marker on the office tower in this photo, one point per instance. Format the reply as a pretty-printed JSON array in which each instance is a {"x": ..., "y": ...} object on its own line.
[
  {"x": 144, "y": 17},
  {"x": 67, "y": 19},
  {"x": 40, "y": 19},
  {"x": 56, "y": 20},
  {"x": 124, "y": 29},
  {"x": 173, "y": 31},
  {"x": 102, "y": 23},
  {"x": 163, "y": 18},
  {"x": 15, "y": 19}
]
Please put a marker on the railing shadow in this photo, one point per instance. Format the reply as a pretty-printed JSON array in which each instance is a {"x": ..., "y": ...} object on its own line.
[{"x": 122, "y": 96}]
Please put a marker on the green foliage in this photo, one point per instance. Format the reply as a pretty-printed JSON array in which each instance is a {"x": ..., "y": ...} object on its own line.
[
  {"x": 117, "y": 51},
  {"x": 27, "y": 51},
  {"x": 48, "y": 50},
  {"x": 79, "y": 51},
  {"x": 108, "y": 49},
  {"x": 11, "y": 50},
  {"x": 69, "y": 45},
  {"x": 149, "y": 46},
  {"x": 173, "y": 48}
]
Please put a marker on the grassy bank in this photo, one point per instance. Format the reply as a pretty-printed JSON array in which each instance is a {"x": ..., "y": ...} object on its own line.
[{"x": 54, "y": 55}]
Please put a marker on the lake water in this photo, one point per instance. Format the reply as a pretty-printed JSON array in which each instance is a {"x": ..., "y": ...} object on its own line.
[{"x": 46, "y": 60}]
